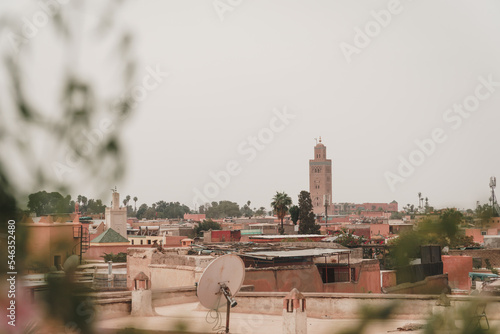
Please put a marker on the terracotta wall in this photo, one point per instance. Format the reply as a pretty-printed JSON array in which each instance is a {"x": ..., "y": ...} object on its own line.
[
  {"x": 45, "y": 241},
  {"x": 308, "y": 279},
  {"x": 458, "y": 269},
  {"x": 382, "y": 229},
  {"x": 304, "y": 278},
  {"x": 475, "y": 233}
]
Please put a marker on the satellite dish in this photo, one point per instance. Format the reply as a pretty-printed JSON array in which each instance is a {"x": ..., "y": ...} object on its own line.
[
  {"x": 228, "y": 270},
  {"x": 220, "y": 281},
  {"x": 71, "y": 263}
]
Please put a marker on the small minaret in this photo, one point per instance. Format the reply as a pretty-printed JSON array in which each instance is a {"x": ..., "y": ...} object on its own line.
[{"x": 116, "y": 216}]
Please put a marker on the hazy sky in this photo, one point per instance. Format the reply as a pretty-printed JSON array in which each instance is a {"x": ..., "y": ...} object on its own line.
[{"x": 251, "y": 83}]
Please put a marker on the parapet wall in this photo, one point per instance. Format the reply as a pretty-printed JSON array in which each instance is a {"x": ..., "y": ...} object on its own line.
[
  {"x": 347, "y": 306},
  {"x": 492, "y": 254},
  {"x": 170, "y": 268},
  {"x": 434, "y": 285}
]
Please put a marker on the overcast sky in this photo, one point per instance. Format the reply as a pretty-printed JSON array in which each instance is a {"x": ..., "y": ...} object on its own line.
[{"x": 251, "y": 84}]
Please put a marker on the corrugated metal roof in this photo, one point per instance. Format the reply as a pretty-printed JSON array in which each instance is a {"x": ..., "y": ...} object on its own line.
[
  {"x": 290, "y": 236},
  {"x": 297, "y": 253}
]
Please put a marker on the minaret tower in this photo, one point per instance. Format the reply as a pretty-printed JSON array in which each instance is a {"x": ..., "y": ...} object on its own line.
[
  {"x": 320, "y": 179},
  {"x": 116, "y": 216}
]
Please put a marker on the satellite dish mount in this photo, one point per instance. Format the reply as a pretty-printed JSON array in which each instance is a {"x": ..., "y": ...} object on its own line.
[{"x": 223, "y": 277}]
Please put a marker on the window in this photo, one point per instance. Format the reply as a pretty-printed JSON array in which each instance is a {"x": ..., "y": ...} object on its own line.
[
  {"x": 132, "y": 241},
  {"x": 141, "y": 242},
  {"x": 149, "y": 242}
]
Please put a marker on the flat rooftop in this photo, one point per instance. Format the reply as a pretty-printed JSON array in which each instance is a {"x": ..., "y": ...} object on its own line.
[
  {"x": 193, "y": 318},
  {"x": 269, "y": 255},
  {"x": 289, "y": 236}
]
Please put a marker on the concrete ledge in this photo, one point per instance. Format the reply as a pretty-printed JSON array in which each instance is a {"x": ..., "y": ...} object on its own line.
[{"x": 347, "y": 306}]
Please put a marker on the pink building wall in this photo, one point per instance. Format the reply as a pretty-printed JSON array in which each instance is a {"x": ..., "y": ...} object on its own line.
[
  {"x": 492, "y": 231},
  {"x": 458, "y": 269},
  {"x": 382, "y": 229},
  {"x": 194, "y": 216},
  {"x": 475, "y": 233},
  {"x": 309, "y": 280}
]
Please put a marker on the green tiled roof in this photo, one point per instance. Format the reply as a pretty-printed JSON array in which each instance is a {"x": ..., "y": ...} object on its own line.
[{"x": 109, "y": 235}]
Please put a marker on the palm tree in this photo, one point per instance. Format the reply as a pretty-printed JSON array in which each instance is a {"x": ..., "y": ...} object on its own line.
[
  {"x": 281, "y": 202},
  {"x": 126, "y": 200},
  {"x": 419, "y": 200},
  {"x": 135, "y": 203}
]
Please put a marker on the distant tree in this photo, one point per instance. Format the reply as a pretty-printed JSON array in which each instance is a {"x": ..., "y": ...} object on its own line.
[
  {"x": 294, "y": 213},
  {"x": 347, "y": 239},
  {"x": 141, "y": 213},
  {"x": 223, "y": 209},
  {"x": 126, "y": 200},
  {"x": 484, "y": 213},
  {"x": 443, "y": 230},
  {"x": 206, "y": 226},
  {"x": 307, "y": 223},
  {"x": 171, "y": 210},
  {"x": 450, "y": 219},
  {"x": 135, "y": 203},
  {"x": 246, "y": 211},
  {"x": 95, "y": 206},
  {"x": 261, "y": 211},
  {"x": 43, "y": 203},
  {"x": 84, "y": 202},
  {"x": 280, "y": 204},
  {"x": 150, "y": 213}
]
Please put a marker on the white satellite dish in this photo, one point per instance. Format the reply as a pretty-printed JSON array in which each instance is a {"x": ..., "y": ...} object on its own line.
[
  {"x": 71, "y": 263},
  {"x": 220, "y": 281}
]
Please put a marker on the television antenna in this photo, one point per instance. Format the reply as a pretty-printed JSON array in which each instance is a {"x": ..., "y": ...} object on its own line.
[
  {"x": 223, "y": 277},
  {"x": 493, "y": 200}
]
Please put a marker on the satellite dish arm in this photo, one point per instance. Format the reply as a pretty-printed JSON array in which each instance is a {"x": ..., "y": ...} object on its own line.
[{"x": 227, "y": 293}]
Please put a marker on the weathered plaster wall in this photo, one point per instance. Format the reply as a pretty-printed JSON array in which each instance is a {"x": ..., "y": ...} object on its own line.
[
  {"x": 347, "y": 306},
  {"x": 458, "y": 269}
]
